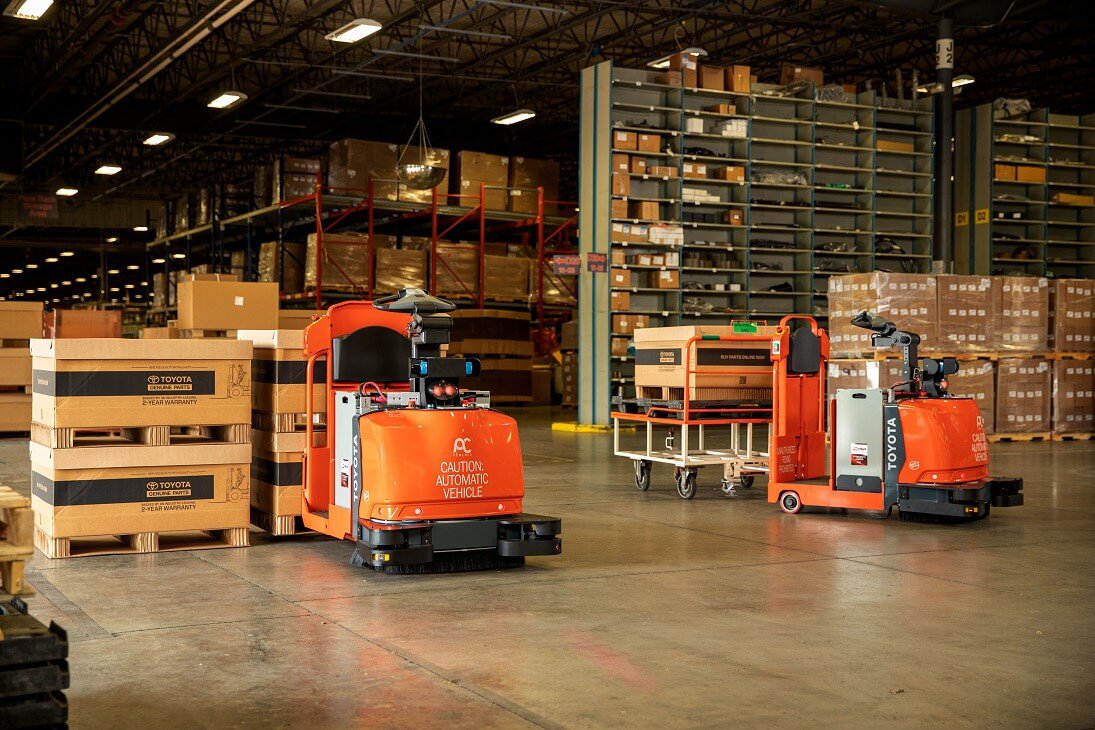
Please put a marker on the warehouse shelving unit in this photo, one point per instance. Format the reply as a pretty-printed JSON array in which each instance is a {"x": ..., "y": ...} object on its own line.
[
  {"x": 824, "y": 193},
  {"x": 1007, "y": 226}
]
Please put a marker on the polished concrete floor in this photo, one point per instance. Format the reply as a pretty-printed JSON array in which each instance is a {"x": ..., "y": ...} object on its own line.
[{"x": 660, "y": 613}]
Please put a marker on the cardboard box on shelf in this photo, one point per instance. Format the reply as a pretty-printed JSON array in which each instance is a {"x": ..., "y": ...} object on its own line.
[
  {"x": 277, "y": 481},
  {"x": 711, "y": 77},
  {"x": 621, "y": 184},
  {"x": 621, "y": 162},
  {"x": 668, "y": 279},
  {"x": 15, "y": 366},
  {"x": 732, "y": 370},
  {"x": 279, "y": 372},
  {"x": 20, "y": 320},
  {"x": 298, "y": 319},
  {"x": 626, "y": 324},
  {"x": 399, "y": 268},
  {"x": 83, "y": 323},
  {"x": 694, "y": 170},
  {"x": 620, "y": 277},
  {"x": 734, "y": 217},
  {"x": 669, "y": 78},
  {"x": 160, "y": 333},
  {"x": 1072, "y": 315},
  {"x": 789, "y": 73},
  {"x": 345, "y": 262},
  {"x": 619, "y": 209},
  {"x": 638, "y": 165},
  {"x": 908, "y": 300},
  {"x": 620, "y": 301},
  {"x": 619, "y": 346},
  {"x": 622, "y": 140},
  {"x": 1022, "y": 395},
  {"x": 1072, "y": 199},
  {"x": 15, "y": 411},
  {"x": 568, "y": 338},
  {"x": 227, "y": 305},
  {"x": 1023, "y": 307},
  {"x": 290, "y": 186},
  {"x": 273, "y": 261},
  {"x": 352, "y": 162},
  {"x": 732, "y": 173},
  {"x": 120, "y": 382},
  {"x": 526, "y": 176},
  {"x": 1030, "y": 173},
  {"x": 647, "y": 210},
  {"x": 435, "y": 157},
  {"x": 967, "y": 313},
  {"x": 892, "y": 145},
  {"x": 1073, "y": 396},
  {"x": 685, "y": 64},
  {"x": 977, "y": 379},
  {"x": 474, "y": 169},
  {"x": 858, "y": 374},
  {"x": 737, "y": 79},
  {"x": 662, "y": 171},
  {"x": 722, "y": 107},
  {"x": 649, "y": 142},
  {"x": 1003, "y": 172}
]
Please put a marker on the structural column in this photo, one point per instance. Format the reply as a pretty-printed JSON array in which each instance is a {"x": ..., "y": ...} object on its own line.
[{"x": 943, "y": 213}]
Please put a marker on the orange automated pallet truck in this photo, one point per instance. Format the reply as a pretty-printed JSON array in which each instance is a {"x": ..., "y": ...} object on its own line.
[
  {"x": 422, "y": 475},
  {"x": 912, "y": 445}
]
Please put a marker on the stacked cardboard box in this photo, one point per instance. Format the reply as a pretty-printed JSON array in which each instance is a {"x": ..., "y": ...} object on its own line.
[
  {"x": 473, "y": 169},
  {"x": 502, "y": 341},
  {"x": 19, "y": 323},
  {"x": 505, "y": 278},
  {"x": 1073, "y": 396},
  {"x": 297, "y": 319},
  {"x": 283, "y": 265},
  {"x": 525, "y": 176},
  {"x": 352, "y": 162},
  {"x": 345, "y": 262},
  {"x": 977, "y": 379},
  {"x": 135, "y": 438},
  {"x": 1072, "y": 315},
  {"x": 1023, "y": 310},
  {"x": 1022, "y": 395},
  {"x": 279, "y": 403},
  {"x": 217, "y": 304},
  {"x": 399, "y": 268},
  {"x": 967, "y": 313},
  {"x": 909, "y": 300},
  {"x": 69, "y": 323},
  {"x": 858, "y": 374}
]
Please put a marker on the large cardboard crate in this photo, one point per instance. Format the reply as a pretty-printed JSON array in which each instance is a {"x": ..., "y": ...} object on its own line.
[
  {"x": 1022, "y": 395},
  {"x": 908, "y": 300},
  {"x": 352, "y": 162},
  {"x": 1024, "y": 313},
  {"x": 129, "y": 383},
  {"x": 977, "y": 379},
  {"x": 1073, "y": 396},
  {"x": 345, "y": 262},
  {"x": 284, "y": 268},
  {"x": 473, "y": 168},
  {"x": 279, "y": 372},
  {"x": 297, "y": 319},
  {"x": 153, "y": 489},
  {"x": 20, "y": 320},
  {"x": 227, "y": 305},
  {"x": 509, "y": 379},
  {"x": 83, "y": 323},
  {"x": 15, "y": 412},
  {"x": 525, "y": 176},
  {"x": 399, "y": 268},
  {"x": 491, "y": 332},
  {"x": 967, "y": 313},
  {"x": 505, "y": 278},
  {"x": 15, "y": 366},
  {"x": 738, "y": 370},
  {"x": 277, "y": 481},
  {"x": 1072, "y": 315}
]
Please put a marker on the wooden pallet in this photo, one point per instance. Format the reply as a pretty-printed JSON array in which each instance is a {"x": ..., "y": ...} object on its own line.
[
  {"x": 16, "y": 388},
  {"x": 279, "y": 525},
  {"x": 67, "y": 438},
  {"x": 1073, "y": 436},
  {"x": 14, "y": 343},
  {"x": 201, "y": 334},
  {"x": 995, "y": 355},
  {"x": 141, "y": 542},
  {"x": 1018, "y": 437},
  {"x": 282, "y": 422},
  {"x": 1071, "y": 355},
  {"x": 16, "y": 541}
]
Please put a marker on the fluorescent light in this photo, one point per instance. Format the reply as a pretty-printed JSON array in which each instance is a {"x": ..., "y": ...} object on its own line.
[
  {"x": 935, "y": 87},
  {"x": 113, "y": 271},
  {"x": 128, "y": 286},
  {"x": 112, "y": 239},
  {"x": 66, "y": 283},
  {"x": 514, "y": 117},
  {"x": 17, "y": 271},
  {"x": 114, "y": 288},
  {"x": 178, "y": 256},
  {"x": 32, "y": 266},
  {"x": 354, "y": 31},
  {"x": 5, "y": 276},
  {"x": 41, "y": 288},
  {"x": 663, "y": 62},
  {"x": 28, "y": 9},
  {"x": 140, "y": 229},
  {"x": 962, "y": 80},
  {"x": 108, "y": 170},
  {"x": 66, "y": 254},
  {"x": 53, "y": 286},
  {"x": 52, "y": 259},
  {"x": 80, "y": 280},
  {"x": 158, "y": 260},
  {"x": 133, "y": 267},
  {"x": 227, "y": 99},
  {"x": 159, "y": 138},
  {"x": 66, "y": 192}
]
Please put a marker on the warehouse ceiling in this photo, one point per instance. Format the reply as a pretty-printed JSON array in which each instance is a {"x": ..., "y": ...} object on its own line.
[{"x": 93, "y": 78}]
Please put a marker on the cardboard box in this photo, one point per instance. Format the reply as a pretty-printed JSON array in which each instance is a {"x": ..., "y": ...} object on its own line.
[
  {"x": 277, "y": 481},
  {"x": 1072, "y": 325},
  {"x": 15, "y": 366},
  {"x": 621, "y": 184},
  {"x": 722, "y": 107},
  {"x": 734, "y": 217},
  {"x": 1022, "y": 395},
  {"x": 647, "y": 210},
  {"x": 399, "y": 268},
  {"x": 737, "y": 80},
  {"x": 291, "y": 186},
  {"x": 273, "y": 261},
  {"x": 227, "y": 305},
  {"x": 568, "y": 339},
  {"x": 732, "y": 173},
  {"x": 638, "y": 165},
  {"x": 120, "y": 383},
  {"x": 621, "y": 162},
  {"x": 489, "y": 332},
  {"x": 83, "y": 323},
  {"x": 568, "y": 374},
  {"x": 345, "y": 262},
  {"x": 297, "y": 319},
  {"x": 626, "y": 324},
  {"x": 541, "y": 385},
  {"x": 1072, "y": 199},
  {"x": 669, "y": 78},
  {"x": 967, "y": 313},
  {"x": 789, "y": 73},
  {"x": 619, "y": 209},
  {"x": 145, "y": 497},
  {"x": 622, "y": 140},
  {"x": 20, "y": 320},
  {"x": 891, "y": 145},
  {"x": 432, "y": 156},
  {"x": 279, "y": 372},
  {"x": 977, "y": 379},
  {"x": 731, "y": 370},
  {"x": 668, "y": 279},
  {"x": 685, "y": 64},
  {"x": 711, "y": 77},
  {"x": 620, "y": 346},
  {"x": 1073, "y": 396},
  {"x": 160, "y": 333},
  {"x": 15, "y": 409},
  {"x": 526, "y": 175},
  {"x": 1023, "y": 307},
  {"x": 1003, "y": 172},
  {"x": 620, "y": 278},
  {"x": 1029, "y": 173},
  {"x": 352, "y": 162},
  {"x": 909, "y": 300},
  {"x": 662, "y": 171},
  {"x": 479, "y": 168},
  {"x": 694, "y": 170},
  {"x": 649, "y": 142},
  {"x": 859, "y": 374},
  {"x": 620, "y": 301}
]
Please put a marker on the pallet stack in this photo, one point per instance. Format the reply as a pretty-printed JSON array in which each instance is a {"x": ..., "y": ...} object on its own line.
[
  {"x": 33, "y": 670},
  {"x": 502, "y": 340},
  {"x": 140, "y": 445},
  {"x": 16, "y": 543},
  {"x": 279, "y": 395},
  {"x": 19, "y": 323},
  {"x": 1072, "y": 337}
]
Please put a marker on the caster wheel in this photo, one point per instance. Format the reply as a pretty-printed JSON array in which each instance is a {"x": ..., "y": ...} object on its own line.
[
  {"x": 790, "y": 503},
  {"x": 747, "y": 481},
  {"x": 686, "y": 483},
  {"x": 729, "y": 488},
  {"x": 642, "y": 475}
]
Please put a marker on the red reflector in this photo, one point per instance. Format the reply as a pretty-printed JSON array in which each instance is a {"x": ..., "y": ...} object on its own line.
[
  {"x": 450, "y": 389},
  {"x": 437, "y": 390}
]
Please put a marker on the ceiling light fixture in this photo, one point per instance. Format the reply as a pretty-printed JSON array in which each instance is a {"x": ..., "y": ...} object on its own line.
[
  {"x": 66, "y": 254},
  {"x": 354, "y": 31},
  {"x": 227, "y": 99},
  {"x": 27, "y": 9},
  {"x": 936, "y": 87},
  {"x": 178, "y": 256},
  {"x": 133, "y": 267},
  {"x": 66, "y": 192},
  {"x": 52, "y": 259},
  {"x": 5, "y": 276},
  {"x": 112, "y": 239},
  {"x": 514, "y": 117},
  {"x": 17, "y": 271},
  {"x": 664, "y": 61},
  {"x": 80, "y": 280},
  {"x": 159, "y": 138},
  {"x": 32, "y": 266},
  {"x": 159, "y": 260},
  {"x": 140, "y": 229},
  {"x": 113, "y": 271},
  {"x": 108, "y": 170}
]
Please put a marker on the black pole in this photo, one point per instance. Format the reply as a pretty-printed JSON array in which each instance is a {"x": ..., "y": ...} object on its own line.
[{"x": 943, "y": 219}]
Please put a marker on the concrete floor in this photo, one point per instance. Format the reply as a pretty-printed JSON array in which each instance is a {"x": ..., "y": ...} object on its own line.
[{"x": 660, "y": 612}]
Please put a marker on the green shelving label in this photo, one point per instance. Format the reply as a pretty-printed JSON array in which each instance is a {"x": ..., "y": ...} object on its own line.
[{"x": 745, "y": 328}]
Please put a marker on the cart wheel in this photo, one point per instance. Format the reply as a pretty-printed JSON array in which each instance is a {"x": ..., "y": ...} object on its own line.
[
  {"x": 790, "y": 503},
  {"x": 747, "y": 481},
  {"x": 642, "y": 475},
  {"x": 686, "y": 483},
  {"x": 729, "y": 488}
]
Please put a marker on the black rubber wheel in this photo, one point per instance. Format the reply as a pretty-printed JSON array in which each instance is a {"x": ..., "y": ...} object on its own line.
[
  {"x": 686, "y": 483},
  {"x": 642, "y": 475},
  {"x": 747, "y": 480},
  {"x": 790, "y": 503}
]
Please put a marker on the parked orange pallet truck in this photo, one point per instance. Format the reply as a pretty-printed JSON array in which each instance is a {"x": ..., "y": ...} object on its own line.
[
  {"x": 423, "y": 476},
  {"x": 912, "y": 445}
]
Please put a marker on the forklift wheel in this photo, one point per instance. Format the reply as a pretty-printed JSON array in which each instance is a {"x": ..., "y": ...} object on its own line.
[
  {"x": 642, "y": 475},
  {"x": 686, "y": 483},
  {"x": 790, "y": 503}
]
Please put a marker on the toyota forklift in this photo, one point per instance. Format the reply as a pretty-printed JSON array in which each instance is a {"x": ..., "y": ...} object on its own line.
[
  {"x": 913, "y": 445},
  {"x": 419, "y": 473}
]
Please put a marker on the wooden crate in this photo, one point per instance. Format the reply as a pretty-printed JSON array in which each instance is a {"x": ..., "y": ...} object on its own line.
[{"x": 16, "y": 541}]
